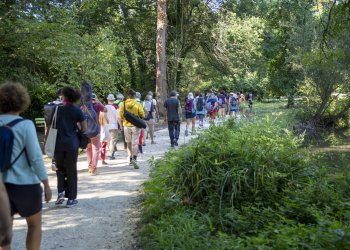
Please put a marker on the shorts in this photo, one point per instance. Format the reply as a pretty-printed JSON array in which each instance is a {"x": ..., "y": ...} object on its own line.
[
  {"x": 222, "y": 106},
  {"x": 190, "y": 115},
  {"x": 26, "y": 200},
  {"x": 132, "y": 134},
  {"x": 234, "y": 109}
]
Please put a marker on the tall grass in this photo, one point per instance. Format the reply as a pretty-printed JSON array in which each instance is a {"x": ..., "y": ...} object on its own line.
[{"x": 246, "y": 185}]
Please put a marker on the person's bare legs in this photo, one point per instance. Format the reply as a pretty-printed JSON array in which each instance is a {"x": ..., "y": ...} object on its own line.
[
  {"x": 7, "y": 247},
  {"x": 129, "y": 148},
  {"x": 193, "y": 125},
  {"x": 34, "y": 231}
]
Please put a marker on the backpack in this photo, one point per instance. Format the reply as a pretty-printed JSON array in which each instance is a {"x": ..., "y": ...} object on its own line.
[
  {"x": 221, "y": 100},
  {"x": 209, "y": 105},
  {"x": 6, "y": 145},
  {"x": 200, "y": 103},
  {"x": 189, "y": 106},
  {"x": 93, "y": 127},
  {"x": 233, "y": 102}
]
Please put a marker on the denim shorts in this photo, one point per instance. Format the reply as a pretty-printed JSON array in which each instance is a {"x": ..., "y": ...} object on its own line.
[{"x": 26, "y": 200}]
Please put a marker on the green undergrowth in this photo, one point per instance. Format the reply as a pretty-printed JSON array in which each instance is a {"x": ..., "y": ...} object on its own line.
[{"x": 246, "y": 185}]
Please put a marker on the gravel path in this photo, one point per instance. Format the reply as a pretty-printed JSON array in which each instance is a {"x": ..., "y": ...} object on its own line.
[{"x": 108, "y": 208}]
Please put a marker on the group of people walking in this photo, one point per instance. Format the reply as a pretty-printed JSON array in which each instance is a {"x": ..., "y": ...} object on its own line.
[
  {"x": 199, "y": 106},
  {"x": 101, "y": 124}
]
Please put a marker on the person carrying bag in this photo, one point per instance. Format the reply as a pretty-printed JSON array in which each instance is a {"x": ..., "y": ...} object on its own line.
[
  {"x": 132, "y": 113},
  {"x": 50, "y": 142}
]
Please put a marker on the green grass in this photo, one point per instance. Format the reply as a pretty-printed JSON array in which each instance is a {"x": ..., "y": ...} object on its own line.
[{"x": 248, "y": 185}]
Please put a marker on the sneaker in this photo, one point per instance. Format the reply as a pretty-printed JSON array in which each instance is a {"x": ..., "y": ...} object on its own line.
[
  {"x": 134, "y": 163},
  {"x": 186, "y": 132},
  {"x": 60, "y": 199},
  {"x": 172, "y": 145},
  {"x": 153, "y": 142},
  {"x": 176, "y": 144},
  {"x": 130, "y": 161},
  {"x": 144, "y": 144},
  {"x": 71, "y": 203},
  {"x": 111, "y": 157}
]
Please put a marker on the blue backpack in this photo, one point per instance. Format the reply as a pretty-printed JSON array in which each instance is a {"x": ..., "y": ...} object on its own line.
[{"x": 6, "y": 145}]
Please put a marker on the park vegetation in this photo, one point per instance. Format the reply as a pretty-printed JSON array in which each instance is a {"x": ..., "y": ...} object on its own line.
[
  {"x": 250, "y": 184},
  {"x": 273, "y": 48},
  {"x": 254, "y": 184}
]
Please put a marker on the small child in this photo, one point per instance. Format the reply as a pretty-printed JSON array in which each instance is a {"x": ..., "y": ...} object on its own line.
[{"x": 105, "y": 136}]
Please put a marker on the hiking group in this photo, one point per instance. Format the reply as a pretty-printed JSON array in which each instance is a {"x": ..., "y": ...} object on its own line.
[
  {"x": 93, "y": 126},
  {"x": 200, "y": 106}
]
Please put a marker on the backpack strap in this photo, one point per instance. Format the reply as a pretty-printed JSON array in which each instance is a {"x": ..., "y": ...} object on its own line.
[{"x": 12, "y": 124}]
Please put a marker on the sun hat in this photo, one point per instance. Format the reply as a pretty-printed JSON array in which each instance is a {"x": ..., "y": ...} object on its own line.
[
  {"x": 110, "y": 97},
  {"x": 120, "y": 96}
]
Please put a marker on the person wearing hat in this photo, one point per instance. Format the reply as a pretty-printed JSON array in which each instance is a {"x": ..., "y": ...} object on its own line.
[
  {"x": 130, "y": 130},
  {"x": 149, "y": 117},
  {"x": 112, "y": 115},
  {"x": 174, "y": 114},
  {"x": 154, "y": 102},
  {"x": 119, "y": 100}
]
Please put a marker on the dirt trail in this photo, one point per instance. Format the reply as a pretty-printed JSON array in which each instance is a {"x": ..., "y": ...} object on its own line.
[{"x": 108, "y": 208}]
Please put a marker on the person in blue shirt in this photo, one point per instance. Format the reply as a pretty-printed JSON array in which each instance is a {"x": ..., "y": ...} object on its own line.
[{"x": 22, "y": 180}]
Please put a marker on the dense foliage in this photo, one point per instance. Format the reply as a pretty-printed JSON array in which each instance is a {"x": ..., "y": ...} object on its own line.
[
  {"x": 270, "y": 47},
  {"x": 245, "y": 186}
]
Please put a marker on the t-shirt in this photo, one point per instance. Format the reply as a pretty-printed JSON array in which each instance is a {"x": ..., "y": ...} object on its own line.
[
  {"x": 98, "y": 107},
  {"x": 67, "y": 118},
  {"x": 172, "y": 105},
  {"x": 112, "y": 114}
]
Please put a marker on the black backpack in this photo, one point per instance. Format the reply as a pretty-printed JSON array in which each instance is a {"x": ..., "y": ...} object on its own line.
[
  {"x": 6, "y": 145},
  {"x": 200, "y": 104}
]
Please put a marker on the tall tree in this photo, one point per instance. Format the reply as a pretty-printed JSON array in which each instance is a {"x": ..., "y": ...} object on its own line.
[{"x": 161, "y": 88}]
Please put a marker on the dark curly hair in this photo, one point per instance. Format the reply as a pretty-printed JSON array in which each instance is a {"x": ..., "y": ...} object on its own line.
[
  {"x": 71, "y": 94},
  {"x": 14, "y": 97}
]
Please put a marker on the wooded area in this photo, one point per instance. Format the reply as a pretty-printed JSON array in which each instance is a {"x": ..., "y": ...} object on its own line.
[{"x": 270, "y": 47}]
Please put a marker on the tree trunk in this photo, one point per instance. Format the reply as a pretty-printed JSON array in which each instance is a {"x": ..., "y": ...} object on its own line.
[{"x": 161, "y": 84}]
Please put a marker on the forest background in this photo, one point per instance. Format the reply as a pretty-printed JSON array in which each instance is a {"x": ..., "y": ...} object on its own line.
[{"x": 270, "y": 47}]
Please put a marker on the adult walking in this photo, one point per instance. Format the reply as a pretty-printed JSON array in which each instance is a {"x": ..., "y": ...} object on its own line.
[
  {"x": 112, "y": 114},
  {"x": 118, "y": 103},
  {"x": 149, "y": 117},
  {"x": 190, "y": 114},
  {"x": 22, "y": 179},
  {"x": 200, "y": 109},
  {"x": 67, "y": 144},
  {"x": 93, "y": 147},
  {"x": 174, "y": 113},
  {"x": 131, "y": 132}
]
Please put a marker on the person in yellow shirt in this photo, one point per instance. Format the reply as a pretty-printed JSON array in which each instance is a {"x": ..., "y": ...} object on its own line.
[{"x": 131, "y": 132}]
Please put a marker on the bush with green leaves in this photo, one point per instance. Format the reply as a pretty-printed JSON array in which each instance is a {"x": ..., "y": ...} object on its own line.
[{"x": 243, "y": 186}]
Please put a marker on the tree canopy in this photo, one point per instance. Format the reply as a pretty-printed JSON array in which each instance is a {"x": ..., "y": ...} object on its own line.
[{"x": 270, "y": 47}]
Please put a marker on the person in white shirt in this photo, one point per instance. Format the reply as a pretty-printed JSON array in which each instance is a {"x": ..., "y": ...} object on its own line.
[
  {"x": 112, "y": 114},
  {"x": 154, "y": 102}
]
